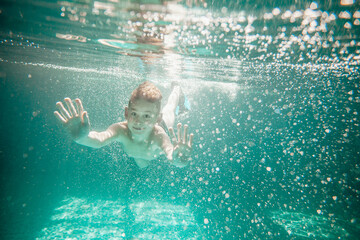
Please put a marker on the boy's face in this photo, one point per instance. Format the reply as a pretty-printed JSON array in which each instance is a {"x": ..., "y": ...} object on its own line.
[{"x": 142, "y": 116}]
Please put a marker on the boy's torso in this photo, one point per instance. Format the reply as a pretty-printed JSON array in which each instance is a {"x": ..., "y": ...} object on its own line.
[{"x": 143, "y": 151}]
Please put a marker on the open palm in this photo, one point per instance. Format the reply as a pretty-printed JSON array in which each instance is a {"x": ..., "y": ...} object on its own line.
[
  {"x": 73, "y": 118},
  {"x": 182, "y": 142}
]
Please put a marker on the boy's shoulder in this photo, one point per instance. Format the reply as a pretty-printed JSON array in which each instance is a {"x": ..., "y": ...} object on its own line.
[
  {"x": 159, "y": 130},
  {"x": 159, "y": 134},
  {"x": 120, "y": 128}
]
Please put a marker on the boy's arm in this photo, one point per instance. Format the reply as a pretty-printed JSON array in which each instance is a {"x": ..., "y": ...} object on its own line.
[
  {"x": 178, "y": 154},
  {"x": 76, "y": 121},
  {"x": 100, "y": 139}
]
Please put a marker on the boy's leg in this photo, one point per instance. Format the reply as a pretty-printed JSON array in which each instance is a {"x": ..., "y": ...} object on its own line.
[{"x": 170, "y": 107}]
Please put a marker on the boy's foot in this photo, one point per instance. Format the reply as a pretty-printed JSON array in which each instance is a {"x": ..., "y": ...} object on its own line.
[{"x": 184, "y": 104}]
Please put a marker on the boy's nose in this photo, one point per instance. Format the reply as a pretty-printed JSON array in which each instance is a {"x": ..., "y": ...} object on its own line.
[{"x": 137, "y": 119}]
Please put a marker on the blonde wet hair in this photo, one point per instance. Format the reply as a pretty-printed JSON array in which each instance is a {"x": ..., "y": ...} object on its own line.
[{"x": 147, "y": 91}]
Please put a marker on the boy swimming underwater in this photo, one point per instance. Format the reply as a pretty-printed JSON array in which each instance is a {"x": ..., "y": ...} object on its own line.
[{"x": 143, "y": 134}]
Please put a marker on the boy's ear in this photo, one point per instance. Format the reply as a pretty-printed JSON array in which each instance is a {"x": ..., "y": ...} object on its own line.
[{"x": 126, "y": 112}]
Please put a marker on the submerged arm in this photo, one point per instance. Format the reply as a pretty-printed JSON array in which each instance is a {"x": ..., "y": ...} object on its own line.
[
  {"x": 100, "y": 139},
  {"x": 76, "y": 121}
]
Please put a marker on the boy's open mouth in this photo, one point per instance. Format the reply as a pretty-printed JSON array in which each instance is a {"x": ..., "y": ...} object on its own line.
[{"x": 138, "y": 128}]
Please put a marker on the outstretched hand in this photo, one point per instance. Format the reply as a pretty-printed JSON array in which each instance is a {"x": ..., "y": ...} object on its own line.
[
  {"x": 182, "y": 143},
  {"x": 73, "y": 118}
]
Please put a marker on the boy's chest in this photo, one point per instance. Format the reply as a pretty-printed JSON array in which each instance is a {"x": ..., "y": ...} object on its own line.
[{"x": 144, "y": 151}]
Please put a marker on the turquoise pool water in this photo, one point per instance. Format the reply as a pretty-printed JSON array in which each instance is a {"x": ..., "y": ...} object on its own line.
[{"x": 274, "y": 89}]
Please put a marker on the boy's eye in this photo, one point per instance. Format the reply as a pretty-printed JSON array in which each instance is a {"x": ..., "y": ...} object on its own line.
[
  {"x": 133, "y": 114},
  {"x": 147, "y": 116}
]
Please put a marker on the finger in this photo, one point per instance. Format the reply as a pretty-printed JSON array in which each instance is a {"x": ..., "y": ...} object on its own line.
[
  {"x": 85, "y": 118},
  {"x": 185, "y": 133},
  {"x": 70, "y": 106},
  {"x": 59, "y": 117},
  {"x": 191, "y": 139},
  {"x": 179, "y": 132},
  {"x": 79, "y": 106},
  {"x": 62, "y": 110},
  {"x": 172, "y": 134}
]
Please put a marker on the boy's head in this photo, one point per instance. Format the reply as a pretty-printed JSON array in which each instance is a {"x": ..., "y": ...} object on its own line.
[
  {"x": 148, "y": 92},
  {"x": 143, "y": 111}
]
